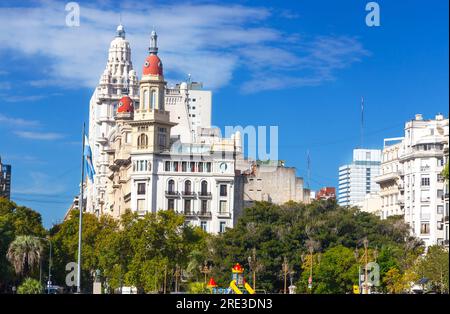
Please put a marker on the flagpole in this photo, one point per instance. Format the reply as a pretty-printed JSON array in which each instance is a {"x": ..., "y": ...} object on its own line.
[{"x": 80, "y": 223}]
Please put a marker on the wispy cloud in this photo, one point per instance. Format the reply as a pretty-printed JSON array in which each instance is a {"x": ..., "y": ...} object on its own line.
[
  {"x": 40, "y": 184},
  {"x": 44, "y": 136},
  {"x": 17, "y": 122},
  {"x": 209, "y": 41}
]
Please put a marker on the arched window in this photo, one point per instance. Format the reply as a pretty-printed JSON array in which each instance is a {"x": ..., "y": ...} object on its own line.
[
  {"x": 153, "y": 100},
  {"x": 145, "y": 99},
  {"x": 142, "y": 141},
  {"x": 171, "y": 187},
  {"x": 187, "y": 187},
  {"x": 204, "y": 189}
]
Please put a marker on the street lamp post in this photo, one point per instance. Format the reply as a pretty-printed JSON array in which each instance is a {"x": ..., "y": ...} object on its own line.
[
  {"x": 285, "y": 268},
  {"x": 49, "y": 262},
  {"x": 205, "y": 270},
  {"x": 253, "y": 265}
]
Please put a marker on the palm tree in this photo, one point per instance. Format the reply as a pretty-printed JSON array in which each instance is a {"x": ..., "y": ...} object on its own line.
[{"x": 24, "y": 253}]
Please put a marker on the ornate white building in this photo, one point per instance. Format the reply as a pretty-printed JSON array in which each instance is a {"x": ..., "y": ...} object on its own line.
[
  {"x": 411, "y": 182},
  {"x": 118, "y": 79},
  {"x": 155, "y": 149}
]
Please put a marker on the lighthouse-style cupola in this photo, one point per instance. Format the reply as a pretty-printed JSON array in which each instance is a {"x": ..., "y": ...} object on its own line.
[
  {"x": 152, "y": 85},
  {"x": 151, "y": 121}
]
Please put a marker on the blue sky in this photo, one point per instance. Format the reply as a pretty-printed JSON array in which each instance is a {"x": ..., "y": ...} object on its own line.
[{"x": 300, "y": 65}]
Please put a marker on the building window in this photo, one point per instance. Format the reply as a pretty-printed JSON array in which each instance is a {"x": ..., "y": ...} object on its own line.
[
  {"x": 440, "y": 209},
  {"x": 141, "y": 189},
  {"x": 425, "y": 228},
  {"x": 145, "y": 96},
  {"x": 222, "y": 227},
  {"x": 171, "y": 187},
  {"x": 141, "y": 205},
  {"x": 223, "y": 190},
  {"x": 204, "y": 188},
  {"x": 204, "y": 209},
  {"x": 184, "y": 166},
  {"x": 203, "y": 225},
  {"x": 208, "y": 167},
  {"x": 167, "y": 166},
  {"x": 223, "y": 207},
  {"x": 142, "y": 141},
  {"x": 192, "y": 166},
  {"x": 440, "y": 194},
  {"x": 187, "y": 206},
  {"x": 200, "y": 167},
  {"x": 187, "y": 187},
  {"x": 170, "y": 204},
  {"x": 425, "y": 181},
  {"x": 176, "y": 166},
  {"x": 162, "y": 140},
  {"x": 152, "y": 100}
]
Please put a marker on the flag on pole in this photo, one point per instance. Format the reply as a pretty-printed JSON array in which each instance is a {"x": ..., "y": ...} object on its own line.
[{"x": 88, "y": 159}]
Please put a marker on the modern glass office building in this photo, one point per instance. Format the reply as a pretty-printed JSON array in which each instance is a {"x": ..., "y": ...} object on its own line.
[{"x": 357, "y": 178}]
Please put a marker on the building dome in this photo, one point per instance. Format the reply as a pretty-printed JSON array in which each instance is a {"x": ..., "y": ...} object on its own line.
[
  {"x": 152, "y": 66},
  {"x": 125, "y": 105}
]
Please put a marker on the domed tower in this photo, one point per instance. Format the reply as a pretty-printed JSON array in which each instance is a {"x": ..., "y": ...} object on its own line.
[
  {"x": 151, "y": 121},
  {"x": 117, "y": 80}
]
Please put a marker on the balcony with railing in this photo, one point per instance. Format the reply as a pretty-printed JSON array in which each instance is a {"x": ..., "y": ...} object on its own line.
[
  {"x": 189, "y": 214},
  {"x": 386, "y": 177},
  {"x": 205, "y": 195},
  {"x": 205, "y": 214},
  {"x": 172, "y": 194},
  {"x": 188, "y": 194}
]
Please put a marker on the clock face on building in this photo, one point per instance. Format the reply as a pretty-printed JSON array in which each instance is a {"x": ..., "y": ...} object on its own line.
[{"x": 223, "y": 167}]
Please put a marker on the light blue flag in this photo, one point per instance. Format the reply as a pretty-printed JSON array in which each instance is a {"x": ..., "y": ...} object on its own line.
[{"x": 90, "y": 172}]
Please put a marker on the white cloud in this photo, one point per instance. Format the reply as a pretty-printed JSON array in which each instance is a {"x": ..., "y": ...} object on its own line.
[
  {"x": 209, "y": 41},
  {"x": 17, "y": 122},
  {"x": 41, "y": 184},
  {"x": 44, "y": 136}
]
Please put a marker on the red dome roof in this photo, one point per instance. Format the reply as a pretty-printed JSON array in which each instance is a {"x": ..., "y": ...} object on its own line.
[
  {"x": 152, "y": 66},
  {"x": 237, "y": 268},
  {"x": 125, "y": 105},
  {"x": 212, "y": 282}
]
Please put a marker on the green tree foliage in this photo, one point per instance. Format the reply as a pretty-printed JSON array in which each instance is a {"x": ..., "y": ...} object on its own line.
[
  {"x": 15, "y": 221},
  {"x": 138, "y": 251},
  {"x": 288, "y": 230},
  {"x": 30, "y": 286},
  {"x": 335, "y": 272},
  {"x": 445, "y": 173},
  {"x": 24, "y": 253},
  {"x": 435, "y": 267},
  {"x": 65, "y": 241}
]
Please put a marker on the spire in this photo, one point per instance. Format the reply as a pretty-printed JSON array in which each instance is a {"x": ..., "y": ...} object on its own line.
[
  {"x": 120, "y": 32},
  {"x": 153, "y": 49}
]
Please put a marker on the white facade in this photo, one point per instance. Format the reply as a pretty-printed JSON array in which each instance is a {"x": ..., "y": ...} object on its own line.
[
  {"x": 391, "y": 186},
  {"x": 157, "y": 148},
  {"x": 356, "y": 180},
  {"x": 422, "y": 157},
  {"x": 411, "y": 181},
  {"x": 190, "y": 108},
  {"x": 117, "y": 79}
]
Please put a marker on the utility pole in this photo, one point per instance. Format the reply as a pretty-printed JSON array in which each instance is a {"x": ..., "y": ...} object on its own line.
[{"x": 80, "y": 222}]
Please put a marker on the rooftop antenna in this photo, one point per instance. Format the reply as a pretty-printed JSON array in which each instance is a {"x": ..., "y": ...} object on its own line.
[
  {"x": 308, "y": 162},
  {"x": 362, "y": 121}
]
